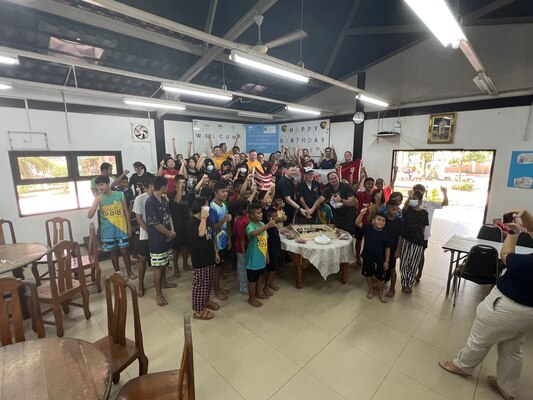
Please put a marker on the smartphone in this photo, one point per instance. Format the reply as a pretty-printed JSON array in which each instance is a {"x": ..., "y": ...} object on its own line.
[{"x": 507, "y": 218}]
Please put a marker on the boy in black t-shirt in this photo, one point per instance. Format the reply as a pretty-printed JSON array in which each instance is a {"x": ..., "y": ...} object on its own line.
[{"x": 376, "y": 252}]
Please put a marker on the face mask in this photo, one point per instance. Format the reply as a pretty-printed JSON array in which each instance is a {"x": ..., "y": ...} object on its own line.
[
  {"x": 210, "y": 167},
  {"x": 243, "y": 170},
  {"x": 413, "y": 203}
]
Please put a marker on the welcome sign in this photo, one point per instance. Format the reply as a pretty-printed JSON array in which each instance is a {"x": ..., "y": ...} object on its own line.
[
  {"x": 221, "y": 132},
  {"x": 311, "y": 135}
]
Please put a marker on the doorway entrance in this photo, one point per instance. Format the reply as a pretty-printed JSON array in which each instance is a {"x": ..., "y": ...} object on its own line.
[{"x": 466, "y": 174}]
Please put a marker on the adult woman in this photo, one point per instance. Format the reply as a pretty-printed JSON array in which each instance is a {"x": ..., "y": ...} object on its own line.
[{"x": 503, "y": 318}]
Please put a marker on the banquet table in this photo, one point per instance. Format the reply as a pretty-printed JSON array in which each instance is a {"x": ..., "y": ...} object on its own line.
[
  {"x": 327, "y": 258},
  {"x": 17, "y": 255},
  {"x": 54, "y": 369}
]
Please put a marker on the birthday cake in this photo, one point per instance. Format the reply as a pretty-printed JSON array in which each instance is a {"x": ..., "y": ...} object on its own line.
[{"x": 309, "y": 232}]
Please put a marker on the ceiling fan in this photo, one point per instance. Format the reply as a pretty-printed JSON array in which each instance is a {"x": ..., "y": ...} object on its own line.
[{"x": 261, "y": 47}]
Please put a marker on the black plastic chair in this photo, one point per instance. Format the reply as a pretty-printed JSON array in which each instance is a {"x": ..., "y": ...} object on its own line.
[
  {"x": 524, "y": 240},
  {"x": 482, "y": 266},
  {"x": 490, "y": 232}
]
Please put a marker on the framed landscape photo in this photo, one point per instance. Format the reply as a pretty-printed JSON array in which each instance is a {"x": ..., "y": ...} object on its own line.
[{"x": 441, "y": 128}]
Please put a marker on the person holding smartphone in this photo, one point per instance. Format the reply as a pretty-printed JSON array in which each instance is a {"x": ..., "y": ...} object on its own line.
[{"x": 504, "y": 317}]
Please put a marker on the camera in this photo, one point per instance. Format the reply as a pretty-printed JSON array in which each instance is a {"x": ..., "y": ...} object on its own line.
[{"x": 507, "y": 218}]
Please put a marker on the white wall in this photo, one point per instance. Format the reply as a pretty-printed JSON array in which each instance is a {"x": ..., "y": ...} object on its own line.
[
  {"x": 87, "y": 132},
  {"x": 500, "y": 129}
]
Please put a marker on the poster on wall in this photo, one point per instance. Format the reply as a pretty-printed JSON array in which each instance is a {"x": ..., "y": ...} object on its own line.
[
  {"x": 311, "y": 135},
  {"x": 220, "y": 132},
  {"x": 262, "y": 138},
  {"x": 521, "y": 170}
]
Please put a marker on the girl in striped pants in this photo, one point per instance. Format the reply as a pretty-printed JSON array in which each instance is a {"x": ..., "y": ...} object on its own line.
[{"x": 415, "y": 220}]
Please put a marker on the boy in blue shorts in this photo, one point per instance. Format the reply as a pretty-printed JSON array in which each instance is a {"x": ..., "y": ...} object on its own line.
[
  {"x": 256, "y": 253},
  {"x": 115, "y": 226}
]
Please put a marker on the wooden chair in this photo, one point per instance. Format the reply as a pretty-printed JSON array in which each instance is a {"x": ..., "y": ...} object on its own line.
[
  {"x": 58, "y": 226},
  {"x": 11, "y": 311},
  {"x": 90, "y": 261},
  {"x": 62, "y": 288},
  {"x": 119, "y": 350},
  {"x": 171, "y": 385},
  {"x": 11, "y": 230}
]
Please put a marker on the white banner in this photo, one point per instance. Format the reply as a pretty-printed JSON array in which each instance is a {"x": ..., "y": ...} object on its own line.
[
  {"x": 311, "y": 135},
  {"x": 223, "y": 132}
]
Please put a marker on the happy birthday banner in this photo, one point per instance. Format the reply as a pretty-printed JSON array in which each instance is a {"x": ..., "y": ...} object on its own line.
[{"x": 311, "y": 135}]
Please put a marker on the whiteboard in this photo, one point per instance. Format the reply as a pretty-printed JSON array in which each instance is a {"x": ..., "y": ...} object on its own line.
[{"x": 20, "y": 140}]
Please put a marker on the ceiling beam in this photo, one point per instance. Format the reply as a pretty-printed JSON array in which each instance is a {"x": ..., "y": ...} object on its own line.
[
  {"x": 210, "y": 16},
  {"x": 235, "y": 31},
  {"x": 487, "y": 9},
  {"x": 342, "y": 35}
]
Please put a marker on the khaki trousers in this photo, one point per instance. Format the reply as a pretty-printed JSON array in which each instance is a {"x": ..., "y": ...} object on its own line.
[{"x": 501, "y": 321}]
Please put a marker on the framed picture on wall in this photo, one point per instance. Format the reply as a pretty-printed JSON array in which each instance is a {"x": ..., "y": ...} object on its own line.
[{"x": 441, "y": 128}]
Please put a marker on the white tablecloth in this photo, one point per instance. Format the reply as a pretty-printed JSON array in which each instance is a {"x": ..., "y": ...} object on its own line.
[{"x": 325, "y": 257}]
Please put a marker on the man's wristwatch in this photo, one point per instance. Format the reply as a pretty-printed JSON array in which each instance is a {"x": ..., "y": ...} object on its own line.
[{"x": 512, "y": 232}]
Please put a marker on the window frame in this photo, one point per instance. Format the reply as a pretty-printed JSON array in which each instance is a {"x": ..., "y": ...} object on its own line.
[{"x": 73, "y": 174}]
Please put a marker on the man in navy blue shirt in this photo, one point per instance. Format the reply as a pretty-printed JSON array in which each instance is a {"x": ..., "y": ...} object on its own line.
[
  {"x": 503, "y": 318},
  {"x": 328, "y": 158}
]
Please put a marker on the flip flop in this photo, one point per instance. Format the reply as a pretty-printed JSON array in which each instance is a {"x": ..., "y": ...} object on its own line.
[
  {"x": 204, "y": 315},
  {"x": 450, "y": 367},
  {"x": 494, "y": 385},
  {"x": 212, "y": 305}
]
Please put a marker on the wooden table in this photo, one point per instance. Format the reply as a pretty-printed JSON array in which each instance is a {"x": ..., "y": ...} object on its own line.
[
  {"x": 17, "y": 255},
  {"x": 54, "y": 369},
  {"x": 460, "y": 246},
  {"x": 328, "y": 259}
]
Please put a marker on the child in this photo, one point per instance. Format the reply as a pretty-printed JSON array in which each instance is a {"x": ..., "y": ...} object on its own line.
[
  {"x": 160, "y": 235},
  {"x": 204, "y": 256},
  {"x": 179, "y": 210},
  {"x": 415, "y": 220},
  {"x": 364, "y": 200},
  {"x": 219, "y": 218},
  {"x": 240, "y": 224},
  {"x": 393, "y": 226},
  {"x": 140, "y": 214},
  {"x": 274, "y": 252},
  {"x": 376, "y": 252},
  {"x": 256, "y": 253},
  {"x": 115, "y": 226},
  {"x": 325, "y": 215},
  {"x": 278, "y": 204}
]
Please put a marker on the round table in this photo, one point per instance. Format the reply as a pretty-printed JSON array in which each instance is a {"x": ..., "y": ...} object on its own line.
[
  {"x": 17, "y": 255},
  {"x": 54, "y": 369},
  {"x": 327, "y": 258}
]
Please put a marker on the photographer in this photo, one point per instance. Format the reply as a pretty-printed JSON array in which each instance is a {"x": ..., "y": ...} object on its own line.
[{"x": 503, "y": 318}]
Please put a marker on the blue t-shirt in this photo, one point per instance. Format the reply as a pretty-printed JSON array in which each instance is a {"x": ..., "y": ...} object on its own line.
[
  {"x": 375, "y": 244},
  {"x": 328, "y": 164},
  {"x": 216, "y": 214},
  {"x": 256, "y": 251},
  {"x": 517, "y": 281},
  {"x": 383, "y": 211}
]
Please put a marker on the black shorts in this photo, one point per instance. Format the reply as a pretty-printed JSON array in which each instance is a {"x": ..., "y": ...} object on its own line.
[
  {"x": 373, "y": 269},
  {"x": 142, "y": 248},
  {"x": 254, "y": 274},
  {"x": 223, "y": 254},
  {"x": 425, "y": 246},
  {"x": 275, "y": 262},
  {"x": 359, "y": 233}
]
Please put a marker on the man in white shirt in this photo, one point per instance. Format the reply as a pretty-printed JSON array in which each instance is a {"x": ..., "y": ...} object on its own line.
[
  {"x": 140, "y": 212},
  {"x": 430, "y": 207}
]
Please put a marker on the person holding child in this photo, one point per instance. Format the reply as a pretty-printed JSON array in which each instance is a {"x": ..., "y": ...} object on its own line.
[{"x": 376, "y": 252}]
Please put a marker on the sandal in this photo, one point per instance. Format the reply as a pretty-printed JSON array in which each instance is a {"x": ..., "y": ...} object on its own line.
[
  {"x": 204, "y": 315},
  {"x": 450, "y": 367},
  {"x": 494, "y": 385},
  {"x": 212, "y": 305}
]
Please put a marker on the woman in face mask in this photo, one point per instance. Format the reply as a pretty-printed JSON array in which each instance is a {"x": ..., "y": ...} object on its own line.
[
  {"x": 415, "y": 220},
  {"x": 209, "y": 165}
]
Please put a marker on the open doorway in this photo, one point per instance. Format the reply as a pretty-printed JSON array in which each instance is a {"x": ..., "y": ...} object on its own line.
[{"x": 466, "y": 174}]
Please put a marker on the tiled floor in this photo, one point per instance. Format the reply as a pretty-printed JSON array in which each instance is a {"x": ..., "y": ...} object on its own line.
[{"x": 324, "y": 341}]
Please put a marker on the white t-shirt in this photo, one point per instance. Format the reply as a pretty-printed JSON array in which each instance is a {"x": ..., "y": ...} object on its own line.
[
  {"x": 430, "y": 207},
  {"x": 139, "y": 209}
]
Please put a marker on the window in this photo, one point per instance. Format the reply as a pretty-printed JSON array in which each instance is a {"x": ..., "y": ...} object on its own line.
[{"x": 51, "y": 181}]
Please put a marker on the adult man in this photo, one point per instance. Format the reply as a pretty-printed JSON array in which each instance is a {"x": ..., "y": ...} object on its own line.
[
  {"x": 328, "y": 158},
  {"x": 430, "y": 207},
  {"x": 503, "y": 318},
  {"x": 218, "y": 158},
  {"x": 287, "y": 191},
  {"x": 342, "y": 201},
  {"x": 347, "y": 159},
  {"x": 223, "y": 146},
  {"x": 254, "y": 162}
]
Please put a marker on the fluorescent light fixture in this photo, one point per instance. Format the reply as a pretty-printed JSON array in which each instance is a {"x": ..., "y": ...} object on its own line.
[
  {"x": 257, "y": 63},
  {"x": 368, "y": 99},
  {"x": 303, "y": 110},
  {"x": 208, "y": 94},
  {"x": 8, "y": 58},
  {"x": 152, "y": 103},
  {"x": 439, "y": 19},
  {"x": 254, "y": 115},
  {"x": 485, "y": 84},
  {"x": 5, "y": 85}
]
